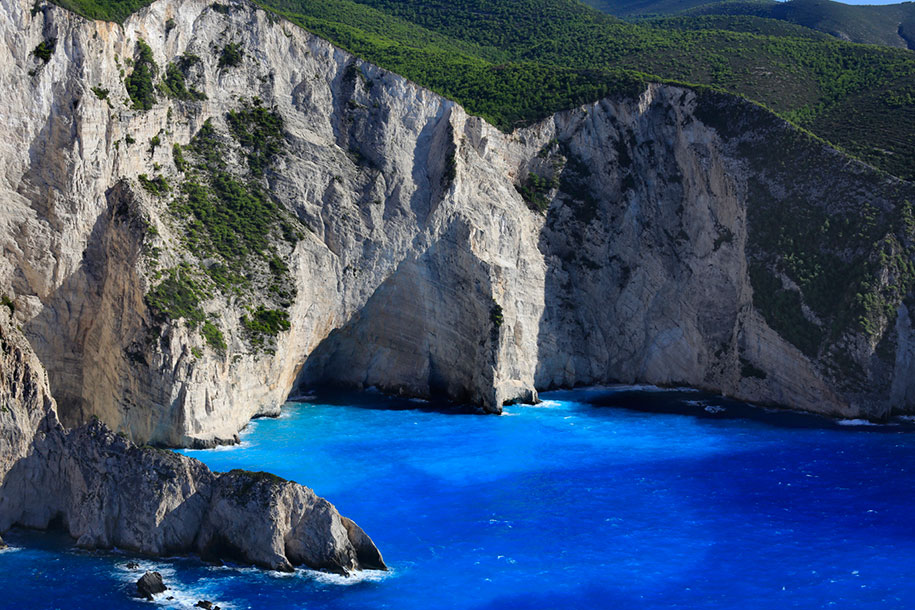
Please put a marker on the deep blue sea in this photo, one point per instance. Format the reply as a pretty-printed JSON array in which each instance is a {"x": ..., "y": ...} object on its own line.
[{"x": 601, "y": 498}]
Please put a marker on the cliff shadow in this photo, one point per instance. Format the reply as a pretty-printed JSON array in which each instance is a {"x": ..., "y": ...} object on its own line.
[
  {"x": 92, "y": 331},
  {"x": 644, "y": 272},
  {"x": 425, "y": 331}
]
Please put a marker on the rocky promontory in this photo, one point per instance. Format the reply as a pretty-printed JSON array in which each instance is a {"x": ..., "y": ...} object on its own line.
[{"x": 107, "y": 492}]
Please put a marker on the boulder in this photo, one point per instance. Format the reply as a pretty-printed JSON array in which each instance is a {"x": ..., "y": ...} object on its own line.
[{"x": 149, "y": 585}]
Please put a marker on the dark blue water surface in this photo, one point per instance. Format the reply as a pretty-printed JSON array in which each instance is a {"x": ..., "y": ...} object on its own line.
[{"x": 575, "y": 503}]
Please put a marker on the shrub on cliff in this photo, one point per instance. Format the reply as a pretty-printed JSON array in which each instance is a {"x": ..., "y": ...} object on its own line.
[{"x": 140, "y": 82}]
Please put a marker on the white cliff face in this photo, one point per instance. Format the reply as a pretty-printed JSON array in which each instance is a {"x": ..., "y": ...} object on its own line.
[
  {"x": 107, "y": 492},
  {"x": 423, "y": 270}
]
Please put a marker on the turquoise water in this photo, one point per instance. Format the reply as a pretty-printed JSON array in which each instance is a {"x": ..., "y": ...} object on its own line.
[{"x": 676, "y": 501}]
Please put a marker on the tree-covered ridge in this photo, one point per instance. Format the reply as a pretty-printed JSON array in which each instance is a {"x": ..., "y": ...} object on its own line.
[
  {"x": 891, "y": 25},
  {"x": 520, "y": 61}
]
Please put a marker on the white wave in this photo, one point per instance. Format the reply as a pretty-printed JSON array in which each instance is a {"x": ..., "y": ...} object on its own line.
[
  {"x": 546, "y": 404},
  {"x": 10, "y": 549},
  {"x": 420, "y": 401},
  {"x": 714, "y": 409},
  {"x": 127, "y": 574},
  {"x": 180, "y": 596},
  {"x": 241, "y": 445},
  {"x": 314, "y": 575},
  {"x": 856, "y": 422},
  {"x": 326, "y": 578}
]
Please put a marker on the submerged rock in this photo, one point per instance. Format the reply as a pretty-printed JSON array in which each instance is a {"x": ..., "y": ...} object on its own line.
[{"x": 150, "y": 584}]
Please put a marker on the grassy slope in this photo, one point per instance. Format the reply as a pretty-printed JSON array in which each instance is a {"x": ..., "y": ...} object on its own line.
[{"x": 516, "y": 62}]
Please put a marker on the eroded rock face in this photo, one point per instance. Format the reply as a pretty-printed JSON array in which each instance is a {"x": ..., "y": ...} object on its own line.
[
  {"x": 424, "y": 266},
  {"x": 107, "y": 492}
]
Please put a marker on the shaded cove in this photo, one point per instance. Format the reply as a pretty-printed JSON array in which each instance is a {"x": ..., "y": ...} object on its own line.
[{"x": 626, "y": 495}]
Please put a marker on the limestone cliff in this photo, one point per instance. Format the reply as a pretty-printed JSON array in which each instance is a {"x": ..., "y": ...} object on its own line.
[
  {"x": 107, "y": 492},
  {"x": 268, "y": 210}
]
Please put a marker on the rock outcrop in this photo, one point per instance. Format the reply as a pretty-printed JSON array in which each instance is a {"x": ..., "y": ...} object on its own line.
[
  {"x": 107, "y": 492},
  {"x": 149, "y": 585},
  {"x": 409, "y": 246}
]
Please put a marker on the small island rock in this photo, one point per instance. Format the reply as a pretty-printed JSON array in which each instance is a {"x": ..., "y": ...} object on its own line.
[{"x": 150, "y": 584}]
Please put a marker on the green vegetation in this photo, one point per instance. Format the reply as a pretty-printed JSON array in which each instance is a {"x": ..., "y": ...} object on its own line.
[
  {"x": 231, "y": 55},
  {"x": 226, "y": 217},
  {"x": 213, "y": 336},
  {"x": 100, "y": 93},
  {"x": 45, "y": 49},
  {"x": 264, "y": 324},
  {"x": 174, "y": 84},
  {"x": 823, "y": 271},
  {"x": 232, "y": 224},
  {"x": 177, "y": 296},
  {"x": 783, "y": 312},
  {"x": 107, "y": 10},
  {"x": 890, "y": 25},
  {"x": 259, "y": 132},
  {"x": 5, "y": 301},
  {"x": 157, "y": 186},
  {"x": 178, "y": 157},
  {"x": 140, "y": 82},
  {"x": 495, "y": 315},
  {"x": 258, "y": 476},
  {"x": 647, "y": 8},
  {"x": 248, "y": 480},
  {"x": 450, "y": 172},
  {"x": 534, "y": 191}
]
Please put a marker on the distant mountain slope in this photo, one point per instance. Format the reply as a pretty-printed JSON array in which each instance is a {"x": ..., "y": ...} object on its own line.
[{"x": 891, "y": 25}]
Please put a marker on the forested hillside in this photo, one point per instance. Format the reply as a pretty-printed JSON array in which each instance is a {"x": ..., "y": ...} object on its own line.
[{"x": 890, "y": 25}]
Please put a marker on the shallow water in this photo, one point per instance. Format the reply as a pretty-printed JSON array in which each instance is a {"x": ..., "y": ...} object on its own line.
[{"x": 576, "y": 503}]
